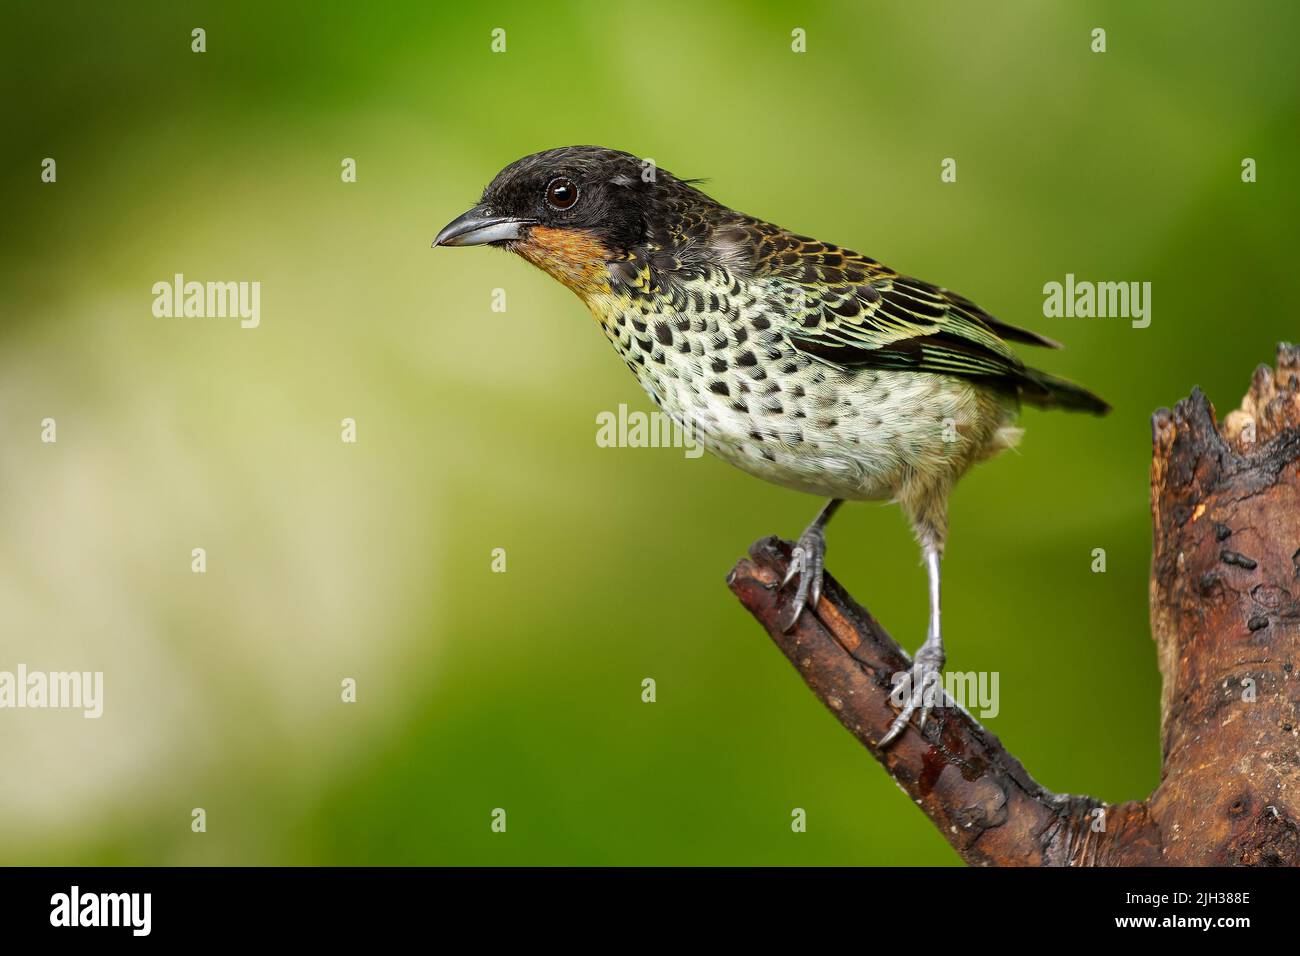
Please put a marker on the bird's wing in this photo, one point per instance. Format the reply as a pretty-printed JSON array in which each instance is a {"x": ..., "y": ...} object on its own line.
[{"x": 848, "y": 309}]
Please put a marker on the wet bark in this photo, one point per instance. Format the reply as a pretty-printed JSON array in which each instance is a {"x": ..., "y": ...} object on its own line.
[{"x": 1225, "y": 617}]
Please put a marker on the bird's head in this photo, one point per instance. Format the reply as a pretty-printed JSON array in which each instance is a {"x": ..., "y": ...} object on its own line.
[{"x": 576, "y": 210}]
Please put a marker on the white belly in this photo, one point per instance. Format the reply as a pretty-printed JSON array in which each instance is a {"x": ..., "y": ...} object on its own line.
[{"x": 754, "y": 400}]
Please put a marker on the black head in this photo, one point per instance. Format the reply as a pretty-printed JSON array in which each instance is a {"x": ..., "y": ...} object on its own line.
[{"x": 613, "y": 197}]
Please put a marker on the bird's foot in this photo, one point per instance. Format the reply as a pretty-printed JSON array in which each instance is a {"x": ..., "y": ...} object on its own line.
[
  {"x": 923, "y": 687},
  {"x": 807, "y": 561}
]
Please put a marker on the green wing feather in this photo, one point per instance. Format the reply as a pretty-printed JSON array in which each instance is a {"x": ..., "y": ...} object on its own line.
[{"x": 848, "y": 309}]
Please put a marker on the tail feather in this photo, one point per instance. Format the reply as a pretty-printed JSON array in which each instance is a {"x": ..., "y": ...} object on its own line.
[{"x": 1048, "y": 391}]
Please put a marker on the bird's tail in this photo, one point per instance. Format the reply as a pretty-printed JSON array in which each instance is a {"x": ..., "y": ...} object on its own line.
[{"x": 1048, "y": 391}]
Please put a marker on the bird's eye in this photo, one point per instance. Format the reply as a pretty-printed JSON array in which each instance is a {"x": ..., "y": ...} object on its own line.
[{"x": 561, "y": 193}]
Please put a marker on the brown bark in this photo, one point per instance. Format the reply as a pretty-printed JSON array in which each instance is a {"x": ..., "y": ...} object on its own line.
[{"x": 1225, "y": 615}]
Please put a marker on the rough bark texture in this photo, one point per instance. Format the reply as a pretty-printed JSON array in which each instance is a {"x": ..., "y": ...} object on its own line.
[{"x": 1225, "y": 615}]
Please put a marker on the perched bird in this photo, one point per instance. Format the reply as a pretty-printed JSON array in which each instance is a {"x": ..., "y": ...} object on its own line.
[{"x": 800, "y": 362}]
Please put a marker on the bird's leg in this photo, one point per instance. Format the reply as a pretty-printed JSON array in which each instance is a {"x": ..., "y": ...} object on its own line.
[
  {"x": 807, "y": 561},
  {"x": 926, "y": 676}
]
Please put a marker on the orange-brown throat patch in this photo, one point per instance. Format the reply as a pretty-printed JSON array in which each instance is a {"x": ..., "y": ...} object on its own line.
[{"x": 574, "y": 258}]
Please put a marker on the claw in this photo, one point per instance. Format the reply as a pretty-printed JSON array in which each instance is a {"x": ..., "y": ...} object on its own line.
[
  {"x": 895, "y": 728},
  {"x": 796, "y": 562},
  {"x": 806, "y": 561}
]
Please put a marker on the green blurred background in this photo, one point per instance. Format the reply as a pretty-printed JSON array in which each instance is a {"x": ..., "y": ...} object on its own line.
[{"x": 522, "y": 690}]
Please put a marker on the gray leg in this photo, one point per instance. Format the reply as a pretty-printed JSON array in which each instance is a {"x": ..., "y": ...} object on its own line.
[
  {"x": 807, "y": 561},
  {"x": 927, "y": 667}
]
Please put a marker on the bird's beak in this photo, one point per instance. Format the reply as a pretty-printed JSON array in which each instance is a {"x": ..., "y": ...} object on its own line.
[{"x": 479, "y": 226}]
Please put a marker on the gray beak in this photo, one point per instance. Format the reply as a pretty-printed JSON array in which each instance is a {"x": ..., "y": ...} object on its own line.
[{"x": 480, "y": 226}]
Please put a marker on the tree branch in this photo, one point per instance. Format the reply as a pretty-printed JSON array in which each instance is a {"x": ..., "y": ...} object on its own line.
[{"x": 1225, "y": 574}]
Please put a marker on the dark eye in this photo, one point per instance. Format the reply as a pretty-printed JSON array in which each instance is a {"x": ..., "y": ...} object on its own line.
[{"x": 561, "y": 193}]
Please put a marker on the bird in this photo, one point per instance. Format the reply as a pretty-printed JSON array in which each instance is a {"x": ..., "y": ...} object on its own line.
[{"x": 801, "y": 362}]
